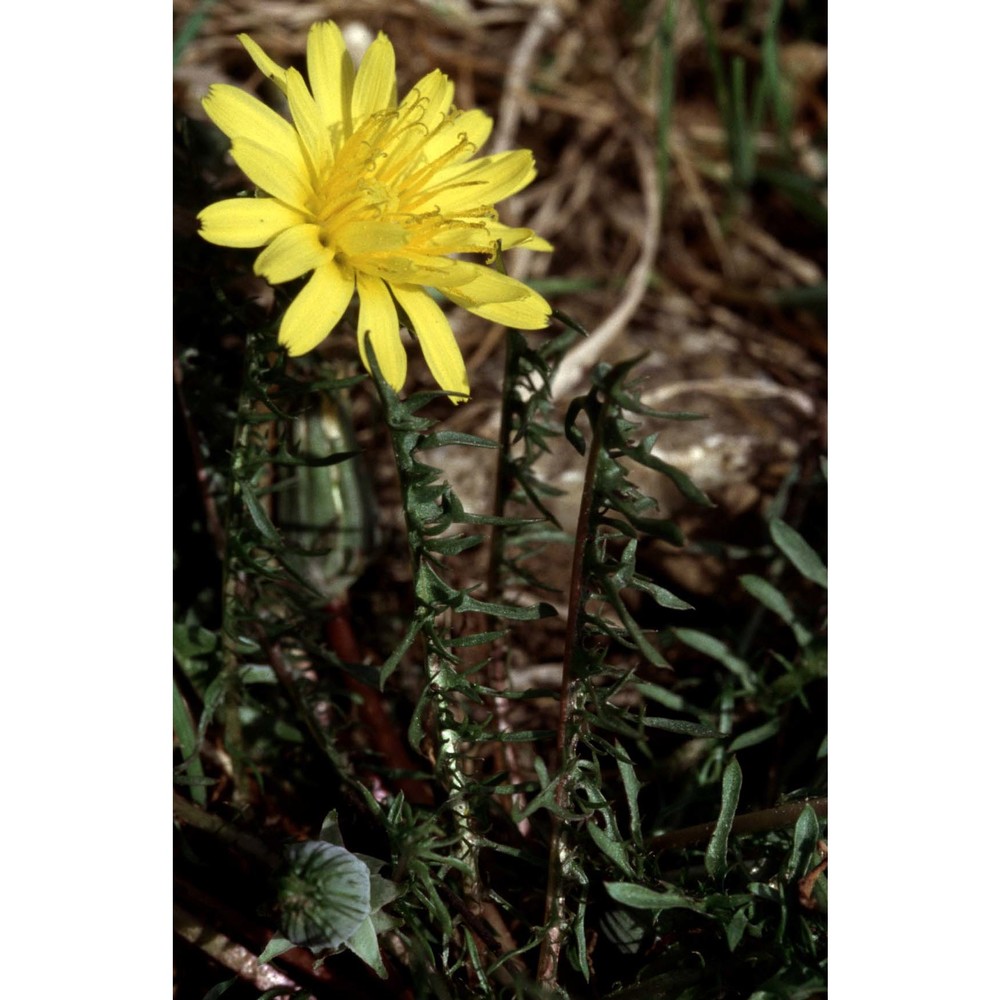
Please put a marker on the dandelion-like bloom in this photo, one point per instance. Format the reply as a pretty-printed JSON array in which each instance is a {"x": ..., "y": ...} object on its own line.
[{"x": 373, "y": 196}]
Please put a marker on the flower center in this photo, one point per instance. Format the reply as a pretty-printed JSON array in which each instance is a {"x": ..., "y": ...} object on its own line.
[{"x": 372, "y": 199}]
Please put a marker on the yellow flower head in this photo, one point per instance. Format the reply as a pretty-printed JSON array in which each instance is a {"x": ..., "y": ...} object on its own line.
[{"x": 372, "y": 196}]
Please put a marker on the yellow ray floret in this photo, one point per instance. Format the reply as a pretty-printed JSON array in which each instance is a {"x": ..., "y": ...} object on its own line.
[{"x": 366, "y": 194}]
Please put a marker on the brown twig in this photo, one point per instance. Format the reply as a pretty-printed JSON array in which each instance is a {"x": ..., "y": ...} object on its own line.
[
  {"x": 555, "y": 898},
  {"x": 582, "y": 357},
  {"x": 546, "y": 20},
  {"x": 755, "y": 822},
  {"x": 189, "y": 813},
  {"x": 228, "y": 953}
]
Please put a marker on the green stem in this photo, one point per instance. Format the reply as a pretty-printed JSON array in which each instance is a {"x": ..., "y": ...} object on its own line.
[
  {"x": 447, "y": 736},
  {"x": 450, "y": 760}
]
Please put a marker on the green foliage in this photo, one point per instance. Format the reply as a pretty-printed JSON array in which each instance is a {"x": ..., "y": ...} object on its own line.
[
  {"x": 798, "y": 550},
  {"x": 527, "y": 426},
  {"x": 715, "y": 853},
  {"x": 742, "y": 111},
  {"x": 191, "y": 27},
  {"x": 432, "y": 510},
  {"x": 581, "y": 858}
]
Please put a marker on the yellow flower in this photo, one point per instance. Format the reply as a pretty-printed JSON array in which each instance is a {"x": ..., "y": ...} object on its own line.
[{"x": 374, "y": 197}]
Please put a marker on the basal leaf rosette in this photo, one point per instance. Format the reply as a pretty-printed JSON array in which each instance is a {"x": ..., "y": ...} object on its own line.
[{"x": 369, "y": 195}]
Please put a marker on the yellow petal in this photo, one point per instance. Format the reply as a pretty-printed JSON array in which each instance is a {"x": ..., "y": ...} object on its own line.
[
  {"x": 364, "y": 237},
  {"x": 246, "y": 222},
  {"x": 497, "y": 297},
  {"x": 291, "y": 254},
  {"x": 437, "y": 342},
  {"x": 411, "y": 268},
  {"x": 526, "y": 239},
  {"x": 529, "y": 313},
  {"x": 377, "y": 316},
  {"x": 468, "y": 186},
  {"x": 316, "y": 309},
  {"x": 436, "y": 92},
  {"x": 331, "y": 77},
  {"x": 264, "y": 62},
  {"x": 487, "y": 286},
  {"x": 472, "y": 128},
  {"x": 272, "y": 172},
  {"x": 535, "y": 242},
  {"x": 375, "y": 85},
  {"x": 472, "y": 238},
  {"x": 309, "y": 124},
  {"x": 241, "y": 115},
  {"x": 429, "y": 104}
]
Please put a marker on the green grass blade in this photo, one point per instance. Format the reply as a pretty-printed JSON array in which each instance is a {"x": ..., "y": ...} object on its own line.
[
  {"x": 799, "y": 552},
  {"x": 715, "y": 855}
]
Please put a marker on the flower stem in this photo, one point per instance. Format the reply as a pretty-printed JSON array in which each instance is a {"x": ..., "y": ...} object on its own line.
[{"x": 568, "y": 728}]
